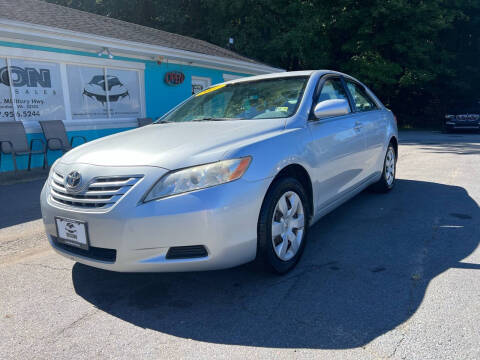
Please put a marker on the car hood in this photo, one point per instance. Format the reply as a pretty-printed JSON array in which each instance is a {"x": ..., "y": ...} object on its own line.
[{"x": 172, "y": 145}]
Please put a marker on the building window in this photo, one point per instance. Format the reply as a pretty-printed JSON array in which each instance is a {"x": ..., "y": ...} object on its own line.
[
  {"x": 97, "y": 92},
  {"x": 200, "y": 84},
  {"x": 30, "y": 90},
  {"x": 44, "y": 89}
]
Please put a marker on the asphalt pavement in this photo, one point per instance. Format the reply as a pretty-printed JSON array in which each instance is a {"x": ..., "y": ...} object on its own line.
[{"x": 384, "y": 276}]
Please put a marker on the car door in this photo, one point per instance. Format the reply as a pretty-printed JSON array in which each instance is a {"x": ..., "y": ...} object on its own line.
[
  {"x": 337, "y": 147},
  {"x": 372, "y": 121}
]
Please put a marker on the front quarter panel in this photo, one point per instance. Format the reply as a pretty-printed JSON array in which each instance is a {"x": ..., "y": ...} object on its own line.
[
  {"x": 283, "y": 147},
  {"x": 392, "y": 129},
  {"x": 271, "y": 155}
]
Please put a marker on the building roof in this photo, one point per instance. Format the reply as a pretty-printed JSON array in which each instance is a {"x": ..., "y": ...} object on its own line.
[{"x": 46, "y": 14}]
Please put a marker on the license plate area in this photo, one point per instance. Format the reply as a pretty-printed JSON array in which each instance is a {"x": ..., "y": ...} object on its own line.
[{"x": 72, "y": 232}]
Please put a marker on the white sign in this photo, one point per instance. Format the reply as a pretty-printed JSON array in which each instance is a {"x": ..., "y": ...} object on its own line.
[
  {"x": 93, "y": 92},
  {"x": 124, "y": 93},
  {"x": 37, "y": 91},
  {"x": 88, "y": 98}
]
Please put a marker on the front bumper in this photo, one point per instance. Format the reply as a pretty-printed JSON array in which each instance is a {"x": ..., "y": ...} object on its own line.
[{"x": 222, "y": 218}]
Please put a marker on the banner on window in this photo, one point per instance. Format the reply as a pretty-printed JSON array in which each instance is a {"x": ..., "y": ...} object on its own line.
[
  {"x": 124, "y": 93},
  {"x": 37, "y": 91},
  {"x": 94, "y": 92}
]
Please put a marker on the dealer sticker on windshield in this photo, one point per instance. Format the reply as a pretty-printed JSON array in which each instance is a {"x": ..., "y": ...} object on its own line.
[
  {"x": 211, "y": 89},
  {"x": 72, "y": 232}
]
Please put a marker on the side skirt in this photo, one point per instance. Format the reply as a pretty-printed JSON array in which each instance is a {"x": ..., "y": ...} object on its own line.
[{"x": 319, "y": 213}]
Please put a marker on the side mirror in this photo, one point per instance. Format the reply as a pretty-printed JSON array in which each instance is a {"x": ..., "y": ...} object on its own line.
[{"x": 329, "y": 108}]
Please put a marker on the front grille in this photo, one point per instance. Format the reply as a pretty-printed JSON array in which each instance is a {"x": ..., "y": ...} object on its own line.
[
  {"x": 186, "y": 252},
  {"x": 94, "y": 253},
  {"x": 101, "y": 192}
]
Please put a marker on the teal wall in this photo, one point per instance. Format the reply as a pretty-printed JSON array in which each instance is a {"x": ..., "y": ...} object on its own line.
[
  {"x": 37, "y": 160},
  {"x": 159, "y": 97}
]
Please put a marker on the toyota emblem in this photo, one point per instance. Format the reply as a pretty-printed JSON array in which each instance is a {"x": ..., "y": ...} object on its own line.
[{"x": 73, "y": 180}]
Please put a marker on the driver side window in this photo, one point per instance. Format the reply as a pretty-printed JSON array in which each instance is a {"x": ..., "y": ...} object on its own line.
[{"x": 332, "y": 89}]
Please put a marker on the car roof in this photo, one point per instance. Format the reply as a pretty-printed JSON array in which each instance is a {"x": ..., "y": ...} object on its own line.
[{"x": 285, "y": 74}]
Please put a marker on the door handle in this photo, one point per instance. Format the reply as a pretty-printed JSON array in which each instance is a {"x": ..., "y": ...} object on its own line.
[{"x": 358, "y": 125}]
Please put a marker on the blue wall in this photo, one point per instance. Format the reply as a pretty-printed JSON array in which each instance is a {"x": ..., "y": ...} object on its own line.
[
  {"x": 159, "y": 97},
  {"x": 37, "y": 160}
]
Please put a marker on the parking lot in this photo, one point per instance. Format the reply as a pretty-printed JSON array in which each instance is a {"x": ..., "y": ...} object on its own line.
[{"x": 384, "y": 276}]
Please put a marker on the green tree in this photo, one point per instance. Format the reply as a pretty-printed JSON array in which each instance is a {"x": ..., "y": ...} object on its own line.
[{"x": 419, "y": 56}]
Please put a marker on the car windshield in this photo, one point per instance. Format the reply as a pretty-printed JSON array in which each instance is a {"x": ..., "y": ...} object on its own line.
[{"x": 261, "y": 99}]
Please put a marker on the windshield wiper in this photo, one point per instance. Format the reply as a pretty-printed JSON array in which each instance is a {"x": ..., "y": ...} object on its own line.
[
  {"x": 216, "y": 119},
  {"x": 162, "y": 122}
]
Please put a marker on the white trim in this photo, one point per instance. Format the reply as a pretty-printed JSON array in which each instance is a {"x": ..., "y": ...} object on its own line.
[
  {"x": 105, "y": 74},
  {"x": 12, "y": 90},
  {"x": 141, "y": 86},
  {"x": 228, "y": 77},
  {"x": 40, "y": 55},
  {"x": 27, "y": 31},
  {"x": 32, "y": 127},
  {"x": 65, "y": 87},
  {"x": 116, "y": 54},
  {"x": 202, "y": 78}
]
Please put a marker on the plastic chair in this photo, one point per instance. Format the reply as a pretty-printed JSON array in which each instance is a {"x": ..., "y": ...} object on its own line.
[{"x": 144, "y": 121}]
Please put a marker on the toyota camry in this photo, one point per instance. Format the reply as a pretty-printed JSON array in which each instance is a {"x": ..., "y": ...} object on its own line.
[{"x": 236, "y": 173}]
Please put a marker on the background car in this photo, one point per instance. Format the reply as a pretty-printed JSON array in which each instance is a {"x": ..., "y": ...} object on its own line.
[{"x": 463, "y": 117}]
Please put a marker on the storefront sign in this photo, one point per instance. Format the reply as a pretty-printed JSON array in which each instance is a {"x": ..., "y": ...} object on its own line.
[
  {"x": 36, "y": 88},
  {"x": 124, "y": 94},
  {"x": 174, "y": 78},
  {"x": 97, "y": 94}
]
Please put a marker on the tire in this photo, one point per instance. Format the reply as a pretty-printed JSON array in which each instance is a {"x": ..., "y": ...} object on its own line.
[
  {"x": 386, "y": 183},
  {"x": 292, "y": 238}
]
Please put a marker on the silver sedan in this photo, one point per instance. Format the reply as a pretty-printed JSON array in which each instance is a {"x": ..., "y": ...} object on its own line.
[{"x": 236, "y": 173}]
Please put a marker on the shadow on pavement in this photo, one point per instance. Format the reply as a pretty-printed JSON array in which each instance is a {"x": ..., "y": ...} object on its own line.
[
  {"x": 20, "y": 202},
  {"x": 364, "y": 272},
  {"x": 466, "y": 143}
]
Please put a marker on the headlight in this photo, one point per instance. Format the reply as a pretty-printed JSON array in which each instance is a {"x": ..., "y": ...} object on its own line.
[{"x": 198, "y": 177}]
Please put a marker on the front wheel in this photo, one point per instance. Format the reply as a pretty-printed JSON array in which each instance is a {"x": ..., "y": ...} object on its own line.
[
  {"x": 282, "y": 226},
  {"x": 387, "y": 181}
]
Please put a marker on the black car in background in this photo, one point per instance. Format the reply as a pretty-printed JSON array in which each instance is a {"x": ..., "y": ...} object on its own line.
[{"x": 463, "y": 118}]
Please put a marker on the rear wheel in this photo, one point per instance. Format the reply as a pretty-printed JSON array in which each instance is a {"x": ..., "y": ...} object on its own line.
[
  {"x": 282, "y": 226},
  {"x": 387, "y": 181}
]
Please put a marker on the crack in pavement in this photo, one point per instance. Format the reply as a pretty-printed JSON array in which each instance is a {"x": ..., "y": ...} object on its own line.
[{"x": 62, "y": 331}]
